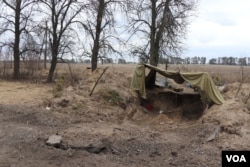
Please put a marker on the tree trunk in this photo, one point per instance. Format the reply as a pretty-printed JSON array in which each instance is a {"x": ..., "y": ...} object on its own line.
[
  {"x": 153, "y": 51},
  {"x": 94, "y": 57},
  {"x": 52, "y": 68},
  {"x": 17, "y": 41},
  {"x": 155, "y": 38},
  {"x": 54, "y": 51},
  {"x": 150, "y": 78},
  {"x": 16, "y": 72}
]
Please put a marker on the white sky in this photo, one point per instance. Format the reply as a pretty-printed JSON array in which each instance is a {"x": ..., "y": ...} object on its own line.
[{"x": 221, "y": 28}]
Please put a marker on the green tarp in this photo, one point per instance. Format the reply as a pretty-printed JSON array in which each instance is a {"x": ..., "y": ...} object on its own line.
[
  {"x": 204, "y": 81},
  {"x": 138, "y": 80},
  {"x": 200, "y": 79}
]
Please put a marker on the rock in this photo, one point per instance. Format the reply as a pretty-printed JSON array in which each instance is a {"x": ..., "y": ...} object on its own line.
[{"x": 54, "y": 140}]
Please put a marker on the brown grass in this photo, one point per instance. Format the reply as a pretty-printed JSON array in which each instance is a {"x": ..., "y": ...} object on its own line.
[
  {"x": 220, "y": 73},
  {"x": 226, "y": 73}
]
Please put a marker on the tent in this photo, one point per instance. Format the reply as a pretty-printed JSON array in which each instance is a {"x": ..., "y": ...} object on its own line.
[{"x": 199, "y": 79}]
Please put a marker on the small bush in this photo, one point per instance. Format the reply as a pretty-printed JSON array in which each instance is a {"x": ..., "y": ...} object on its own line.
[
  {"x": 112, "y": 96},
  {"x": 57, "y": 91}
]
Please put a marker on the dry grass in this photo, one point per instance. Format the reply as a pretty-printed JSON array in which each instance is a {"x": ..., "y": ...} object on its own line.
[
  {"x": 220, "y": 73},
  {"x": 225, "y": 73}
]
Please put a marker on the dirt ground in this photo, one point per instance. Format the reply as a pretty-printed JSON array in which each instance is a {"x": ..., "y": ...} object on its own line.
[{"x": 110, "y": 128}]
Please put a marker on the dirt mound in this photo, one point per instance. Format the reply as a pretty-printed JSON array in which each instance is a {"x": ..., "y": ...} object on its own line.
[
  {"x": 233, "y": 118},
  {"x": 109, "y": 100},
  {"x": 113, "y": 101}
]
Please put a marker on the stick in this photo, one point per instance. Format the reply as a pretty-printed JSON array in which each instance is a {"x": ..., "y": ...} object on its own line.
[{"x": 97, "y": 81}]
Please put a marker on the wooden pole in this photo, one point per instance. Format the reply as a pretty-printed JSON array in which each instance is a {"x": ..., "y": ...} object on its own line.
[{"x": 98, "y": 81}]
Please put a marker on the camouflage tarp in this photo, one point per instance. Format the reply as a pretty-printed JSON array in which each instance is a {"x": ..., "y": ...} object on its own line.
[
  {"x": 138, "y": 80},
  {"x": 200, "y": 79}
]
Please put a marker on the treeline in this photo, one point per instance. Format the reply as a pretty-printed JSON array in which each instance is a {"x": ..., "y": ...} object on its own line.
[
  {"x": 187, "y": 60},
  {"x": 230, "y": 61},
  {"x": 202, "y": 60}
]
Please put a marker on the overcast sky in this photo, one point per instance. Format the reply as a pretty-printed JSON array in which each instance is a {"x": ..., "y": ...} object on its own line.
[{"x": 221, "y": 28}]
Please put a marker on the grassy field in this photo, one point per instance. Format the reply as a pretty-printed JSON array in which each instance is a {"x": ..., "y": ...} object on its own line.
[{"x": 225, "y": 73}]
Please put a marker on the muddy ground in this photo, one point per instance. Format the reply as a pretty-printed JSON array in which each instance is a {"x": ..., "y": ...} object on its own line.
[{"x": 110, "y": 128}]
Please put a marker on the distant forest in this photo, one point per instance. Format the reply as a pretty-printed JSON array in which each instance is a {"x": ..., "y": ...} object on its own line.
[{"x": 202, "y": 60}]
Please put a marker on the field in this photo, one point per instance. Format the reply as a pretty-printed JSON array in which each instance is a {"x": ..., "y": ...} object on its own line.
[{"x": 110, "y": 128}]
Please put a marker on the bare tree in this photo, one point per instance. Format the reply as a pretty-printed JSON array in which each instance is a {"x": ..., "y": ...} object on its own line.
[
  {"x": 162, "y": 24},
  {"x": 41, "y": 32},
  {"x": 61, "y": 14},
  {"x": 15, "y": 19},
  {"x": 100, "y": 25}
]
